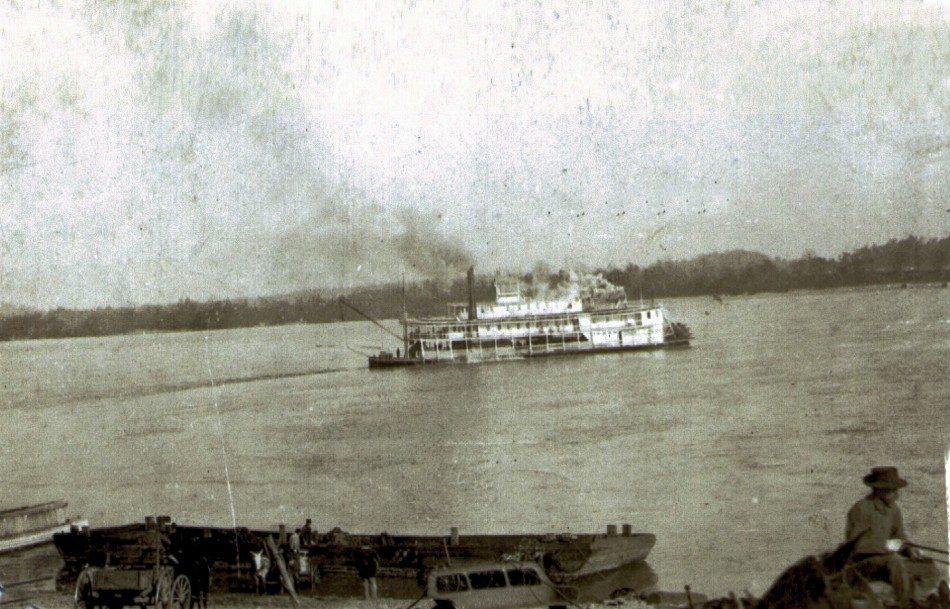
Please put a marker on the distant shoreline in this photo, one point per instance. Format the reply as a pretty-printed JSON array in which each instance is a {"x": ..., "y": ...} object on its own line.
[
  {"x": 900, "y": 264},
  {"x": 7, "y": 324}
]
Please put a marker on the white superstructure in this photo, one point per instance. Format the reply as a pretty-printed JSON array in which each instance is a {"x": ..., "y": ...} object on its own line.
[{"x": 515, "y": 327}]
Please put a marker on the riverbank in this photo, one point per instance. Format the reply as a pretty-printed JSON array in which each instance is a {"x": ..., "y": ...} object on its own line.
[
  {"x": 45, "y": 599},
  {"x": 30, "y": 579}
]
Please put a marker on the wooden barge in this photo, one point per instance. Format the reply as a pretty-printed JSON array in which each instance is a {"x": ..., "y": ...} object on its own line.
[
  {"x": 31, "y": 525},
  {"x": 598, "y": 564}
]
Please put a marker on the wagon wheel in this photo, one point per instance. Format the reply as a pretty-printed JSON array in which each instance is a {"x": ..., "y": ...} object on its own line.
[
  {"x": 163, "y": 590},
  {"x": 83, "y": 595},
  {"x": 181, "y": 593}
]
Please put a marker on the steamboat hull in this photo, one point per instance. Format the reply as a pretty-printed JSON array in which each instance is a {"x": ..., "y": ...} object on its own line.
[
  {"x": 501, "y": 351},
  {"x": 383, "y": 361},
  {"x": 591, "y": 561}
]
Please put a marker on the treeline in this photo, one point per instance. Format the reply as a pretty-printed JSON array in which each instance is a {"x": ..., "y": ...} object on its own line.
[
  {"x": 907, "y": 260},
  {"x": 381, "y": 302}
]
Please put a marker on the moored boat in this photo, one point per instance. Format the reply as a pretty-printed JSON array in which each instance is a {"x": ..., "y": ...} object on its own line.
[
  {"x": 31, "y": 525},
  {"x": 502, "y": 585},
  {"x": 404, "y": 560},
  {"x": 594, "y": 319},
  {"x": 510, "y": 584}
]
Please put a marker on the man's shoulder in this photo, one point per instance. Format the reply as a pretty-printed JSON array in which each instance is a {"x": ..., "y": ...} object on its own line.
[
  {"x": 862, "y": 505},
  {"x": 873, "y": 504}
]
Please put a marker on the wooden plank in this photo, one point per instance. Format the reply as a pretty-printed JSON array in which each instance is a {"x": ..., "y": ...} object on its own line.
[{"x": 285, "y": 577}]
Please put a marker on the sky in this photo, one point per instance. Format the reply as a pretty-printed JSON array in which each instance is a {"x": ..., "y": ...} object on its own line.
[{"x": 151, "y": 152}]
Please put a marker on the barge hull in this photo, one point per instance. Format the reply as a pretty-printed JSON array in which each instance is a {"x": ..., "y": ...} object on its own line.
[{"x": 405, "y": 560}]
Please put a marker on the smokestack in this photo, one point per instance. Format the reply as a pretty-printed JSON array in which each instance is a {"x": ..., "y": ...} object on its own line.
[{"x": 472, "y": 313}]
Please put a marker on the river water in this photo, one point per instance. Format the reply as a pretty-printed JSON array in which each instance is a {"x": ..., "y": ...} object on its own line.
[{"x": 742, "y": 453}]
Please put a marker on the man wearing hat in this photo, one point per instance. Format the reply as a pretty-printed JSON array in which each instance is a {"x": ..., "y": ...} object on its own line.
[{"x": 876, "y": 520}]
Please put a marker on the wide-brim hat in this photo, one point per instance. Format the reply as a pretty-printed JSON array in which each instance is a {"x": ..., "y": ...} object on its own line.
[{"x": 885, "y": 477}]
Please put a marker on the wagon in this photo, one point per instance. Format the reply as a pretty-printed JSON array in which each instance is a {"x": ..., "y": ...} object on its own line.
[
  {"x": 302, "y": 570},
  {"x": 134, "y": 575}
]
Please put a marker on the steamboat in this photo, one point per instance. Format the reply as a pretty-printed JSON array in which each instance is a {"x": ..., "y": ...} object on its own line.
[{"x": 515, "y": 327}]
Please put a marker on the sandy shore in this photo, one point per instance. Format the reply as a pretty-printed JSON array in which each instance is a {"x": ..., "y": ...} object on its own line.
[
  {"x": 60, "y": 600},
  {"x": 44, "y": 599},
  {"x": 29, "y": 576}
]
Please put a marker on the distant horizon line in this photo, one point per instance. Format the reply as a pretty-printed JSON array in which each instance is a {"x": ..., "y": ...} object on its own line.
[{"x": 335, "y": 290}]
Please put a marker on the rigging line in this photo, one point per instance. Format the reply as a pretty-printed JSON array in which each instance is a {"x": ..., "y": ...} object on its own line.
[
  {"x": 357, "y": 351},
  {"x": 220, "y": 425},
  {"x": 558, "y": 590},
  {"x": 384, "y": 328},
  {"x": 346, "y": 339}
]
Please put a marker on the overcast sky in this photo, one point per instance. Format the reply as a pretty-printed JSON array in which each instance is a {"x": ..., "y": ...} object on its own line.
[{"x": 229, "y": 149}]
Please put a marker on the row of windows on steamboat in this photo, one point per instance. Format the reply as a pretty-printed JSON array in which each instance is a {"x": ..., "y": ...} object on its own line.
[{"x": 546, "y": 326}]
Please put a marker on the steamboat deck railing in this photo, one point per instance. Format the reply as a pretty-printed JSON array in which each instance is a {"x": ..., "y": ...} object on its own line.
[{"x": 528, "y": 327}]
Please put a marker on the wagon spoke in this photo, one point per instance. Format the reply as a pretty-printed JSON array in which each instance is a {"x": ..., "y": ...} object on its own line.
[
  {"x": 163, "y": 590},
  {"x": 83, "y": 596},
  {"x": 181, "y": 593}
]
